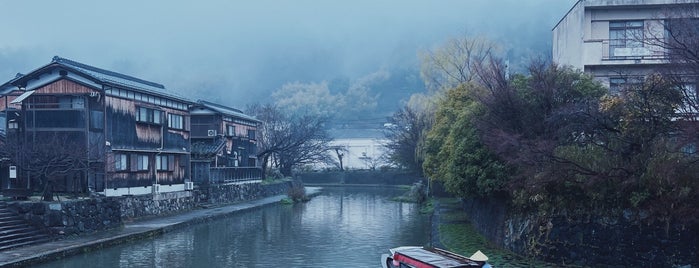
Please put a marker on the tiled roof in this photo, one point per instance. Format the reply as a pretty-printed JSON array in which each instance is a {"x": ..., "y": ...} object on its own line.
[
  {"x": 227, "y": 110},
  {"x": 207, "y": 148},
  {"x": 102, "y": 76},
  {"x": 110, "y": 77}
]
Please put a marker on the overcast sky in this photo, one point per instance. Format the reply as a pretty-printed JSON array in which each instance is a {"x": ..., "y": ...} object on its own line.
[{"x": 236, "y": 52}]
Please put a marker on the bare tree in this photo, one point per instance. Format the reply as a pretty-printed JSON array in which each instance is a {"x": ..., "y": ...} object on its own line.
[
  {"x": 48, "y": 158},
  {"x": 676, "y": 38},
  {"x": 372, "y": 162},
  {"x": 287, "y": 140},
  {"x": 453, "y": 63},
  {"x": 340, "y": 152}
]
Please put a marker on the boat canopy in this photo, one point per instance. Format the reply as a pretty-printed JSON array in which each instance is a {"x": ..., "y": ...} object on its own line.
[{"x": 420, "y": 257}]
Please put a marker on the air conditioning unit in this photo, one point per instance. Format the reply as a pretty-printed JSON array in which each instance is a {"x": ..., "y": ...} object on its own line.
[
  {"x": 211, "y": 132},
  {"x": 156, "y": 188},
  {"x": 188, "y": 185}
]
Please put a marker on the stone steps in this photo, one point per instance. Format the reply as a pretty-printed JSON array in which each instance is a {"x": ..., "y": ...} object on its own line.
[{"x": 16, "y": 232}]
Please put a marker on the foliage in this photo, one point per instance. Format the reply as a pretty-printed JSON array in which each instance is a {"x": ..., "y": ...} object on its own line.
[
  {"x": 405, "y": 134},
  {"x": 354, "y": 99},
  {"x": 417, "y": 193},
  {"x": 297, "y": 192},
  {"x": 454, "y": 153},
  {"x": 554, "y": 140},
  {"x": 454, "y": 63}
]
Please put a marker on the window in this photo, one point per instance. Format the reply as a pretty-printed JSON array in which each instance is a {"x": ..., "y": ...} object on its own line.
[
  {"x": 141, "y": 162},
  {"x": 626, "y": 38},
  {"x": 618, "y": 85},
  {"x": 175, "y": 121},
  {"x": 121, "y": 162},
  {"x": 251, "y": 134},
  {"x": 149, "y": 115},
  {"x": 96, "y": 119},
  {"x": 230, "y": 130},
  {"x": 165, "y": 162}
]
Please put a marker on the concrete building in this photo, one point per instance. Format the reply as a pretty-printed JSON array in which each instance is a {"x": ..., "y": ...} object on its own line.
[{"x": 615, "y": 40}]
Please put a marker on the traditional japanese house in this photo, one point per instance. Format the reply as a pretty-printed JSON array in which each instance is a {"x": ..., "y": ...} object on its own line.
[
  {"x": 224, "y": 145},
  {"x": 131, "y": 136}
]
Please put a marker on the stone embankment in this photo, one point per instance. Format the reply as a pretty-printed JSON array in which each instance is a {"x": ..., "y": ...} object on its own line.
[
  {"x": 143, "y": 227},
  {"x": 625, "y": 239},
  {"x": 103, "y": 213}
]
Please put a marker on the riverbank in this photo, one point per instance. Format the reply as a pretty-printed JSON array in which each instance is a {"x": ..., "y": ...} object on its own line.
[
  {"x": 135, "y": 230},
  {"x": 452, "y": 230}
]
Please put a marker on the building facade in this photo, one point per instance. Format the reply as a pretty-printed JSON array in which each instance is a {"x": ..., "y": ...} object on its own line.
[
  {"x": 224, "y": 143},
  {"x": 619, "y": 42},
  {"x": 127, "y": 135}
]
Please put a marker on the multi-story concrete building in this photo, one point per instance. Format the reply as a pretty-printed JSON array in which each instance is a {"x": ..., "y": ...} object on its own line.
[{"x": 617, "y": 41}]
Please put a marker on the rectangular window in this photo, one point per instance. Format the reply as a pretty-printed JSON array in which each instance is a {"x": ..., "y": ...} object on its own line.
[
  {"x": 251, "y": 134},
  {"x": 175, "y": 121},
  {"x": 161, "y": 162},
  {"x": 96, "y": 120},
  {"x": 149, "y": 115},
  {"x": 165, "y": 162},
  {"x": 141, "y": 162},
  {"x": 157, "y": 117},
  {"x": 618, "y": 85},
  {"x": 121, "y": 162},
  {"x": 626, "y": 38},
  {"x": 230, "y": 130}
]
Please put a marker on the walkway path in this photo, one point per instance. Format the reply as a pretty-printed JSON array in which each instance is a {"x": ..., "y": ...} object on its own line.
[{"x": 139, "y": 229}]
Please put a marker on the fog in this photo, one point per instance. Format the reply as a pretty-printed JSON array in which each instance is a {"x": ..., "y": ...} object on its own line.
[{"x": 238, "y": 52}]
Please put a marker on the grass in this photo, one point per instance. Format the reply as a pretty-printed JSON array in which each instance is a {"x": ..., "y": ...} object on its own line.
[{"x": 268, "y": 181}]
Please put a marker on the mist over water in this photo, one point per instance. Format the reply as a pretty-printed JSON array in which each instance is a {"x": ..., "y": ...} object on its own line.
[{"x": 238, "y": 52}]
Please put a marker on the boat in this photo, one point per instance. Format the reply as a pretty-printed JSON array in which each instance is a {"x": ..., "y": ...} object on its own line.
[{"x": 426, "y": 257}]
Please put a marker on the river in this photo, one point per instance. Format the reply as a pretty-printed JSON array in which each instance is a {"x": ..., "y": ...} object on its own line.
[{"x": 342, "y": 227}]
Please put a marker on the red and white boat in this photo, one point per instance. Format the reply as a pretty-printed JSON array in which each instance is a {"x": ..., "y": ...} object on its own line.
[{"x": 424, "y": 257}]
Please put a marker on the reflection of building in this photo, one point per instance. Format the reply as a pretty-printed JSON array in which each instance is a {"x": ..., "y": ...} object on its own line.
[
  {"x": 133, "y": 132},
  {"x": 614, "y": 39},
  {"x": 223, "y": 142}
]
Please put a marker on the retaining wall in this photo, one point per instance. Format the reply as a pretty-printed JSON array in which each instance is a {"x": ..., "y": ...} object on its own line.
[
  {"x": 623, "y": 239},
  {"x": 98, "y": 214},
  {"x": 359, "y": 177}
]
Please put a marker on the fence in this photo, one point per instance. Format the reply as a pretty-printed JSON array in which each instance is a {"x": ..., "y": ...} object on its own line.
[{"x": 234, "y": 174}]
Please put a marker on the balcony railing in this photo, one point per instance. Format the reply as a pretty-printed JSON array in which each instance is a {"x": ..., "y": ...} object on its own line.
[
  {"x": 234, "y": 174},
  {"x": 612, "y": 50}
]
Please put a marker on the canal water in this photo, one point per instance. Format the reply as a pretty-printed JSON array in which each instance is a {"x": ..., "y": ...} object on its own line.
[{"x": 342, "y": 227}]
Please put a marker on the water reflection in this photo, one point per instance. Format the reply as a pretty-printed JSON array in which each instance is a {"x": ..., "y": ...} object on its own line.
[{"x": 349, "y": 227}]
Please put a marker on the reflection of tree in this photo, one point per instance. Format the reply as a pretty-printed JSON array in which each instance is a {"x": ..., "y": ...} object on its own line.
[{"x": 287, "y": 140}]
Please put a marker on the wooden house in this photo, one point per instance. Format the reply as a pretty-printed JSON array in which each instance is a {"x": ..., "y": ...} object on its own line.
[
  {"x": 224, "y": 144},
  {"x": 132, "y": 135}
]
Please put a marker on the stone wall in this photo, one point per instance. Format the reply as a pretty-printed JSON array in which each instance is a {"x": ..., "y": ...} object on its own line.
[
  {"x": 388, "y": 177},
  {"x": 97, "y": 214},
  {"x": 73, "y": 216},
  {"x": 623, "y": 239},
  {"x": 148, "y": 205},
  {"x": 228, "y": 193}
]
